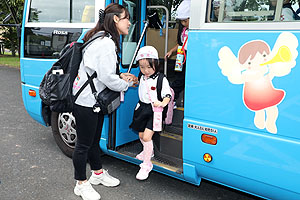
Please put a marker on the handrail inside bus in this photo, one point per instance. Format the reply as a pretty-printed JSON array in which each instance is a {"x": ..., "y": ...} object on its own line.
[{"x": 167, "y": 32}]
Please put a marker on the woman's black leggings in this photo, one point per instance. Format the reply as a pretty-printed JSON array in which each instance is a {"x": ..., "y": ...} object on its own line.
[{"x": 88, "y": 129}]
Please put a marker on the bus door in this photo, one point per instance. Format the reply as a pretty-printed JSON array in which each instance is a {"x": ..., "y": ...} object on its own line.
[
  {"x": 168, "y": 143},
  {"x": 119, "y": 131},
  {"x": 242, "y": 97}
]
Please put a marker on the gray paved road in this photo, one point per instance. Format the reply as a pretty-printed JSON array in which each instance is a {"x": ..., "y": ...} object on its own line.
[{"x": 32, "y": 166}]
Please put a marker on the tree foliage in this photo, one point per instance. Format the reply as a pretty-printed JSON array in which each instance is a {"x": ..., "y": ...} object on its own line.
[
  {"x": 169, "y": 4},
  {"x": 11, "y": 13}
]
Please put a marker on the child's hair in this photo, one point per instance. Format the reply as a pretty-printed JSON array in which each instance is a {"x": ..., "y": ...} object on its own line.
[
  {"x": 251, "y": 48},
  {"x": 154, "y": 64}
]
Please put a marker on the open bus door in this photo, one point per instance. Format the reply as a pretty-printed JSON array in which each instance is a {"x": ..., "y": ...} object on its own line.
[{"x": 122, "y": 141}]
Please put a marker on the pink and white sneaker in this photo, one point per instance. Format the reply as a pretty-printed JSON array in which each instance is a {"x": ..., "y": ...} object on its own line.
[{"x": 144, "y": 171}]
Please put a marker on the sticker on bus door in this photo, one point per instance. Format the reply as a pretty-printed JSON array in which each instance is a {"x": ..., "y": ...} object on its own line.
[{"x": 255, "y": 66}]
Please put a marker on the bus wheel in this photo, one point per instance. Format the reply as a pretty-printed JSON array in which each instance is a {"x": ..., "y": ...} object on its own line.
[{"x": 64, "y": 132}]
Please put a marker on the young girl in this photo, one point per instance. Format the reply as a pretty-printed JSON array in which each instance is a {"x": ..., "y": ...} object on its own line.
[
  {"x": 143, "y": 114},
  {"x": 182, "y": 14}
]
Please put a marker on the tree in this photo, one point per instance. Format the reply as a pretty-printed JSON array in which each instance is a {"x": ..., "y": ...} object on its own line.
[
  {"x": 11, "y": 17},
  {"x": 167, "y": 3}
]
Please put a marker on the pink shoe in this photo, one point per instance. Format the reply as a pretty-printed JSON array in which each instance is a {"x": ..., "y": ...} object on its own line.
[
  {"x": 140, "y": 156},
  {"x": 144, "y": 171}
]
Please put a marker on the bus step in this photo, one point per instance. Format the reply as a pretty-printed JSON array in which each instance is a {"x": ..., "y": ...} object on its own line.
[
  {"x": 169, "y": 145},
  {"x": 177, "y": 117},
  {"x": 173, "y": 129},
  {"x": 159, "y": 159}
]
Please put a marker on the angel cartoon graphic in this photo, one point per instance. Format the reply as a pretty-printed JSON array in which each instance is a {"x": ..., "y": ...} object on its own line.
[{"x": 255, "y": 68}]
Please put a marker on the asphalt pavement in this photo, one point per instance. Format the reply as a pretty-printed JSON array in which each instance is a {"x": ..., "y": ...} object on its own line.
[{"x": 33, "y": 167}]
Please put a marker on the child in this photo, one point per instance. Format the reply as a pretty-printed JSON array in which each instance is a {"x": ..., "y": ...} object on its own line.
[
  {"x": 143, "y": 115},
  {"x": 183, "y": 14}
]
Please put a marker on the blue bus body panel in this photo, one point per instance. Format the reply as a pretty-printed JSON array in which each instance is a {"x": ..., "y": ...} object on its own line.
[
  {"x": 125, "y": 114},
  {"x": 215, "y": 106},
  {"x": 32, "y": 73},
  {"x": 33, "y": 105}
]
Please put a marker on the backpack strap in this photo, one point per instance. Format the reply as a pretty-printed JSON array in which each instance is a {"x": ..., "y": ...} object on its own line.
[
  {"x": 94, "y": 75},
  {"x": 94, "y": 91},
  {"x": 85, "y": 44},
  {"x": 89, "y": 81},
  {"x": 159, "y": 86}
]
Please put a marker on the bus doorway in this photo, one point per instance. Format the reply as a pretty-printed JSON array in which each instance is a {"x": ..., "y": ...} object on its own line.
[{"x": 161, "y": 34}]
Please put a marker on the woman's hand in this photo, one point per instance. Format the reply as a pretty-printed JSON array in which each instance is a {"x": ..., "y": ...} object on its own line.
[{"x": 130, "y": 78}]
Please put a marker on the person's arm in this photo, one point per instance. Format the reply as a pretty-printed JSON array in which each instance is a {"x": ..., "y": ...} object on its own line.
[
  {"x": 163, "y": 103},
  {"x": 166, "y": 94},
  {"x": 129, "y": 78},
  {"x": 174, "y": 49},
  {"x": 103, "y": 61}
]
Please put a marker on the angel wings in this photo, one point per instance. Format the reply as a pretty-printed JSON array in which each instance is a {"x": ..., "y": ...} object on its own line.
[{"x": 252, "y": 56}]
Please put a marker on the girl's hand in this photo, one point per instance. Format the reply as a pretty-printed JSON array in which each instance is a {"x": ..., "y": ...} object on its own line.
[
  {"x": 168, "y": 55},
  {"x": 135, "y": 83},
  {"x": 158, "y": 104}
]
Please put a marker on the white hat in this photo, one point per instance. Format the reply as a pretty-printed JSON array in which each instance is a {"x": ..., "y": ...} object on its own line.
[
  {"x": 147, "y": 52},
  {"x": 183, "y": 10}
]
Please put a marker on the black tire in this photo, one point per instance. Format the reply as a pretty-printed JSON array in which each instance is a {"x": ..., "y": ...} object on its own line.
[{"x": 64, "y": 132}]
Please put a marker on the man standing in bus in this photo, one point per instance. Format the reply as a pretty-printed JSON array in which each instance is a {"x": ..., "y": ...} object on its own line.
[{"x": 182, "y": 14}]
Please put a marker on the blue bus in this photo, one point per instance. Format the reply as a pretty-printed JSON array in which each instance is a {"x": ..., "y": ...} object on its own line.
[{"x": 238, "y": 116}]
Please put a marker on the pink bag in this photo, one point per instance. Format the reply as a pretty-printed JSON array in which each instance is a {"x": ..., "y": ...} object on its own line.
[
  {"x": 157, "y": 118},
  {"x": 169, "y": 114}
]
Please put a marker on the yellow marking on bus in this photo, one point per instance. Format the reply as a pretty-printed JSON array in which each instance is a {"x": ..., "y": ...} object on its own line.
[
  {"x": 168, "y": 167},
  {"x": 180, "y": 108},
  {"x": 172, "y": 136}
]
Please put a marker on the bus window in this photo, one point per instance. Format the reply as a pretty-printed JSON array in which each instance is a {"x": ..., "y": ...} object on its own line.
[
  {"x": 290, "y": 10},
  {"x": 252, "y": 11},
  {"x": 65, "y": 11},
  {"x": 129, "y": 42},
  {"x": 47, "y": 42},
  {"x": 241, "y": 11}
]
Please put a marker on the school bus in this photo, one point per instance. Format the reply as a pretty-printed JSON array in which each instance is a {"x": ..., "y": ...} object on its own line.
[{"x": 237, "y": 121}]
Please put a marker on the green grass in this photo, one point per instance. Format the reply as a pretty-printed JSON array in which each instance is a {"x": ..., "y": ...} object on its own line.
[{"x": 9, "y": 60}]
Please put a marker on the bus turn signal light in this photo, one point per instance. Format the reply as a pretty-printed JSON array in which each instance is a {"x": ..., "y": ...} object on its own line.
[
  {"x": 209, "y": 139},
  {"x": 32, "y": 93},
  {"x": 207, "y": 157}
]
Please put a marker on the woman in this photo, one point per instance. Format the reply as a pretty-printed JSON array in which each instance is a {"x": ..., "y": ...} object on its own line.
[{"x": 101, "y": 57}]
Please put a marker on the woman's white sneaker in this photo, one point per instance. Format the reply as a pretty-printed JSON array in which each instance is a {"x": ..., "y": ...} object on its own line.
[
  {"x": 86, "y": 191},
  {"x": 104, "y": 178}
]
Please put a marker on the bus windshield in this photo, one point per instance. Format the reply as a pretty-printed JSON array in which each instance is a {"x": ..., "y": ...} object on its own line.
[{"x": 65, "y": 11}]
